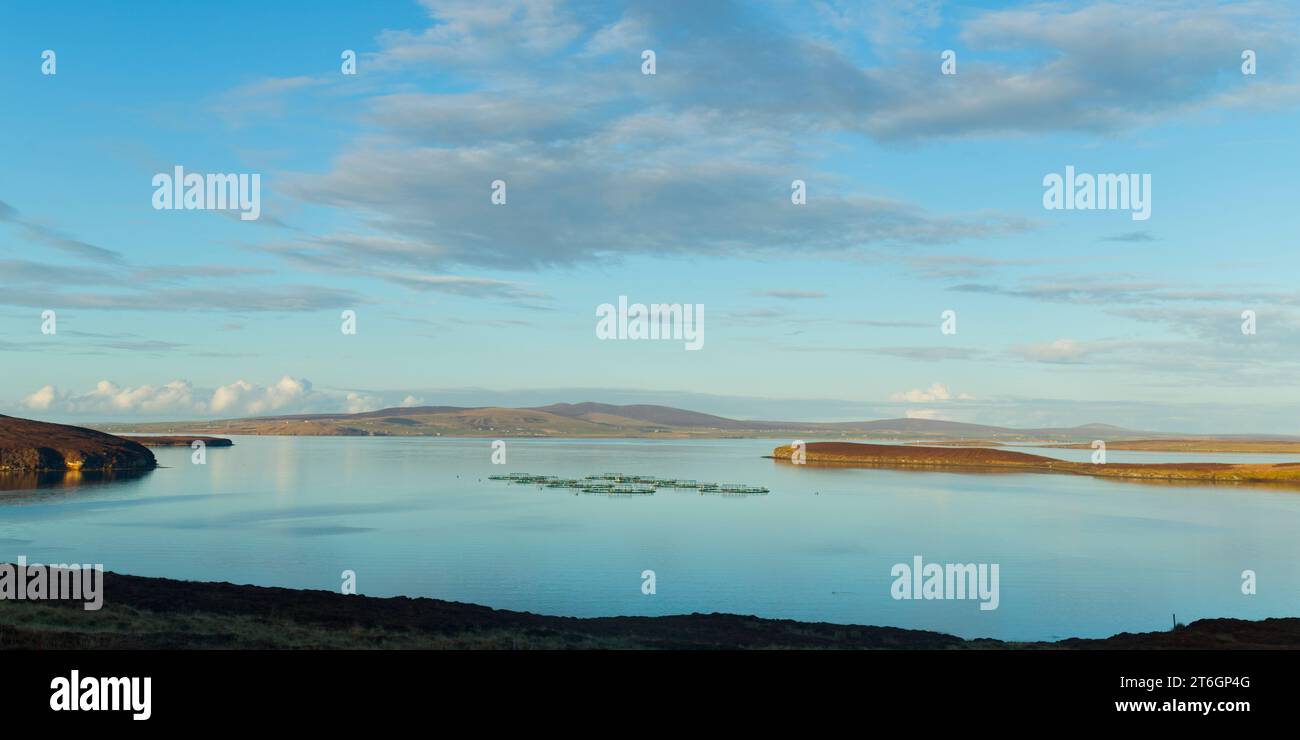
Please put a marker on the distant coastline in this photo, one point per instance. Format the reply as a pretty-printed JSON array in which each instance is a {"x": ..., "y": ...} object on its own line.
[{"x": 589, "y": 420}]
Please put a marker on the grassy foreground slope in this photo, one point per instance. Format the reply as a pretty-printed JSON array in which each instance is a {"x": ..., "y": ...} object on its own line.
[{"x": 158, "y": 613}]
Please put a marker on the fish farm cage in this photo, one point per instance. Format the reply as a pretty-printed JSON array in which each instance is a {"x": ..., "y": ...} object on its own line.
[{"x": 620, "y": 484}]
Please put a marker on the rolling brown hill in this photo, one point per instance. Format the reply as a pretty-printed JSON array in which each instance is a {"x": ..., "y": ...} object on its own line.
[
  {"x": 594, "y": 420},
  {"x": 600, "y": 420},
  {"x": 644, "y": 413}
]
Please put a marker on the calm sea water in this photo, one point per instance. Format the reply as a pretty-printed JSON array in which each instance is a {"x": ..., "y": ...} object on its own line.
[{"x": 418, "y": 516}]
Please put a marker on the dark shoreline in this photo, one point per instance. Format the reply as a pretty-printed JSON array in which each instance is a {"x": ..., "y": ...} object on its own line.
[{"x": 158, "y": 613}]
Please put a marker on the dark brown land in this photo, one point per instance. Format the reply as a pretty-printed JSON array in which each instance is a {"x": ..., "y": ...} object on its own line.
[
  {"x": 158, "y": 613},
  {"x": 34, "y": 446},
  {"x": 166, "y": 441},
  {"x": 979, "y": 458}
]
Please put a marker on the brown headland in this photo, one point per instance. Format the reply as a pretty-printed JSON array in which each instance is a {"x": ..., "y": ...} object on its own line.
[
  {"x": 27, "y": 446},
  {"x": 979, "y": 458}
]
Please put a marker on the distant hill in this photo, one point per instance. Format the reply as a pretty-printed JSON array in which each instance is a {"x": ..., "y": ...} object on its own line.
[
  {"x": 603, "y": 413},
  {"x": 27, "y": 446},
  {"x": 591, "y": 419},
  {"x": 934, "y": 427}
]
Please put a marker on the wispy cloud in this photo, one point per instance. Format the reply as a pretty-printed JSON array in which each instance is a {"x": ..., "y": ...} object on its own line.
[
  {"x": 271, "y": 298},
  {"x": 935, "y": 393},
  {"x": 1130, "y": 237},
  {"x": 791, "y": 295},
  {"x": 52, "y": 237}
]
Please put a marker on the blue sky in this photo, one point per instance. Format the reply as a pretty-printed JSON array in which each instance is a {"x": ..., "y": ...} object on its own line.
[{"x": 924, "y": 195}]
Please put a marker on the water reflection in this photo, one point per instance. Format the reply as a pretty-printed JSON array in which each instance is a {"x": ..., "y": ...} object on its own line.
[
  {"x": 26, "y": 480},
  {"x": 1079, "y": 556},
  {"x": 990, "y": 470}
]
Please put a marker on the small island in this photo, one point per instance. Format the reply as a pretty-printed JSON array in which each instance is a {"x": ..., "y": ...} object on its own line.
[
  {"x": 37, "y": 446},
  {"x": 181, "y": 441},
  {"x": 978, "y": 458}
]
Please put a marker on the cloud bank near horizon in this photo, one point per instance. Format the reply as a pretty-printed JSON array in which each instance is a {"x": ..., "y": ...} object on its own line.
[{"x": 179, "y": 400}]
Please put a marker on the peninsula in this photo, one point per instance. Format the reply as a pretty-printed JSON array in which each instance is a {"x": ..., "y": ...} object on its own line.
[
  {"x": 979, "y": 458},
  {"x": 34, "y": 446}
]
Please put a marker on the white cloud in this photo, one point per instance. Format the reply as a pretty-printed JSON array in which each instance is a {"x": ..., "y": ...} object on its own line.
[
  {"x": 932, "y": 414},
  {"x": 246, "y": 398},
  {"x": 180, "y": 398},
  {"x": 357, "y": 403},
  {"x": 42, "y": 400},
  {"x": 936, "y": 392},
  {"x": 1060, "y": 350},
  {"x": 110, "y": 398}
]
